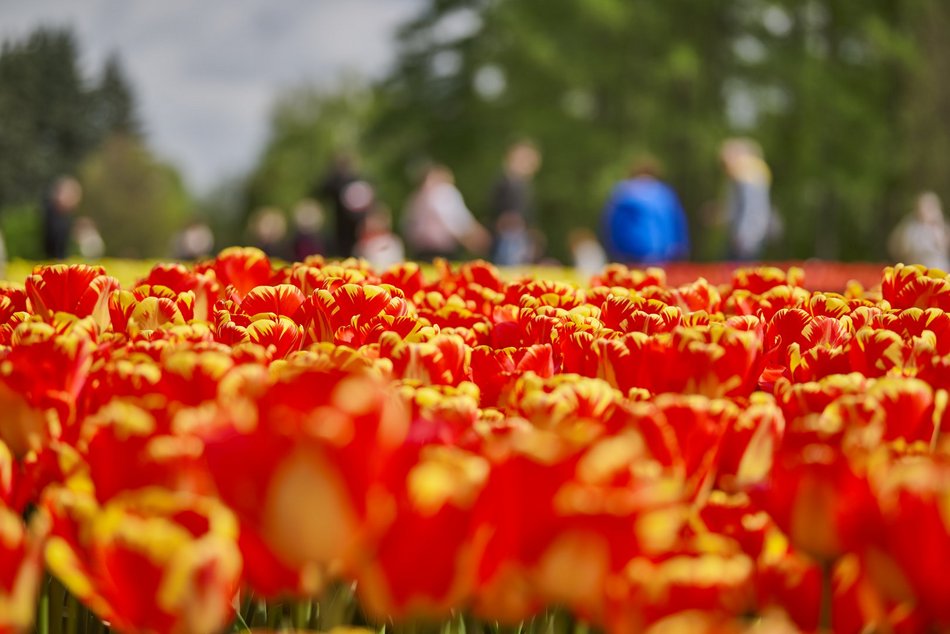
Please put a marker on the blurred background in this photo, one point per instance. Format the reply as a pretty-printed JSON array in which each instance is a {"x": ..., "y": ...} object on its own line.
[{"x": 191, "y": 126}]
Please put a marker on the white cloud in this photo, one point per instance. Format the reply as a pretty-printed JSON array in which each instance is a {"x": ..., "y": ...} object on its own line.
[{"x": 207, "y": 71}]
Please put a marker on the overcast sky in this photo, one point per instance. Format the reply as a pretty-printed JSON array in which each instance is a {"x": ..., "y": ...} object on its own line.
[{"x": 206, "y": 71}]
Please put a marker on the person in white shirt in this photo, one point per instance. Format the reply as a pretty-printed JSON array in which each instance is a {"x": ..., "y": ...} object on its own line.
[
  {"x": 378, "y": 244},
  {"x": 922, "y": 237},
  {"x": 438, "y": 223}
]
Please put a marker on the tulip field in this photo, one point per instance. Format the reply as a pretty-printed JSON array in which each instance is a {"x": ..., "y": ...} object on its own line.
[{"x": 242, "y": 445}]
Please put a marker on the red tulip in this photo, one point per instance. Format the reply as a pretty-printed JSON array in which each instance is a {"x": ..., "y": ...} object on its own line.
[
  {"x": 136, "y": 445},
  {"x": 424, "y": 563},
  {"x": 13, "y": 309},
  {"x": 21, "y": 568},
  {"x": 820, "y": 501},
  {"x": 149, "y": 308},
  {"x": 241, "y": 269},
  {"x": 406, "y": 276},
  {"x": 326, "y": 357},
  {"x": 915, "y": 287},
  {"x": 310, "y": 276},
  {"x": 298, "y": 455},
  {"x": 795, "y": 325},
  {"x": 452, "y": 312},
  {"x": 494, "y": 371},
  {"x": 469, "y": 276},
  {"x": 586, "y": 511},
  {"x": 40, "y": 381},
  {"x": 714, "y": 360},
  {"x": 535, "y": 293},
  {"x": 355, "y": 315},
  {"x": 440, "y": 360},
  {"x": 761, "y": 279},
  {"x": 766, "y": 304},
  {"x": 149, "y": 562},
  {"x": 563, "y": 401},
  {"x": 620, "y": 275},
  {"x": 77, "y": 289},
  {"x": 180, "y": 279},
  {"x": 878, "y": 352},
  {"x": 753, "y": 432},
  {"x": 708, "y": 574},
  {"x": 626, "y": 315},
  {"x": 441, "y": 414},
  {"x": 906, "y": 564}
]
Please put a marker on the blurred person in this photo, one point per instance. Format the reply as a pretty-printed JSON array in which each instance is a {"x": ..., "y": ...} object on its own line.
[
  {"x": 351, "y": 196},
  {"x": 922, "y": 237},
  {"x": 58, "y": 208},
  {"x": 194, "y": 242},
  {"x": 512, "y": 206},
  {"x": 269, "y": 232},
  {"x": 378, "y": 244},
  {"x": 437, "y": 223},
  {"x": 589, "y": 257},
  {"x": 308, "y": 219},
  {"x": 643, "y": 221},
  {"x": 514, "y": 242},
  {"x": 752, "y": 221},
  {"x": 88, "y": 240}
]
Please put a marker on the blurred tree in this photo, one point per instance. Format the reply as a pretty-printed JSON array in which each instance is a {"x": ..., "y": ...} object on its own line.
[
  {"x": 45, "y": 110},
  {"x": 308, "y": 124},
  {"x": 55, "y": 122},
  {"x": 594, "y": 83},
  {"x": 826, "y": 86},
  {"x": 136, "y": 201},
  {"x": 848, "y": 97},
  {"x": 224, "y": 209},
  {"x": 928, "y": 102},
  {"x": 115, "y": 109}
]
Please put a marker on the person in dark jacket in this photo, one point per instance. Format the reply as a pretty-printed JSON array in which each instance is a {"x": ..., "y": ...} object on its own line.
[
  {"x": 59, "y": 208},
  {"x": 512, "y": 207},
  {"x": 643, "y": 221},
  {"x": 351, "y": 197}
]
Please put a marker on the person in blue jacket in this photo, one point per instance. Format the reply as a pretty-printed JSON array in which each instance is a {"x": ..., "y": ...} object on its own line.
[{"x": 643, "y": 221}]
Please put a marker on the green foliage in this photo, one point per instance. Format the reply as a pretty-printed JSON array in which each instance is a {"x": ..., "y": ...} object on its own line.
[
  {"x": 56, "y": 122},
  {"x": 136, "y": 201},
  {"x": 44, "y": 107},
  {"x": 831, "y": 94},
  {"x": 22, "y": 232},
  {"x": 114, "y": 108},
  {"x": 224, "y": 209},
  {"x": 847, "y": 97},
  {"x": 594, "y": 84},
  {"x": 308, "y": 125}
]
